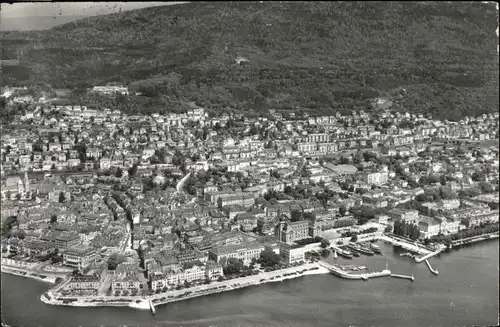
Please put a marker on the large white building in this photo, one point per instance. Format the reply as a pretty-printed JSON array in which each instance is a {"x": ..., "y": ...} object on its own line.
[
  {"x": 244, "y": 252},
  {"x": 291, "y": 253},
  {"x": 189, "y": 273},
  {"x": 110, "y": 90}
]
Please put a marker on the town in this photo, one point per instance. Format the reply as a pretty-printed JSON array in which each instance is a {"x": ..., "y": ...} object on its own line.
[{"x": 150, "y": 204}]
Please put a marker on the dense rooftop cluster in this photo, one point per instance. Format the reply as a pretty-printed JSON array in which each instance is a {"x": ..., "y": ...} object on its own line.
[{"x": 185, "y": 195}]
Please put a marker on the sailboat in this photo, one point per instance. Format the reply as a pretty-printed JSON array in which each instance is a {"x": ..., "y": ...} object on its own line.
[{"x": 335, "y": 256}]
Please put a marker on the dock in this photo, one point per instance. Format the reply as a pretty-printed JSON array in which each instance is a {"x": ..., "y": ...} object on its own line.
[
  {"x": 412, "y": 278},
  {"x": 152, "y": 307},
  {"x": 435, "y": 272}
]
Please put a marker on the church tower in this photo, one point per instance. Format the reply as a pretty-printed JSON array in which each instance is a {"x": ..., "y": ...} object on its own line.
[{"x": 26, "y": 182}]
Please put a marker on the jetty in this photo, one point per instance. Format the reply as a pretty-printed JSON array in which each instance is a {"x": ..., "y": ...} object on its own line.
[
  {"x": 152, "y": 307},
  {"x": 429, "y": 255},
  {"x": 334, "y": 270},
  {"x": 412, "y": 278},
  {"x": 435, "y": 272}
]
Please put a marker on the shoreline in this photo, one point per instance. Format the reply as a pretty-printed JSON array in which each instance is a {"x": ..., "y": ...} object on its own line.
[
  {"x": 142, "y": 302},
  {"x": 27, "y": 274}
]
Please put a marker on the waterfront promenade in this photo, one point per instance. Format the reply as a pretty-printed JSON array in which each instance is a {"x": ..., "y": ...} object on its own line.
[
  {"x": 28, "y": 274},
  {"x": 32, "y": 270},
  {"x": 474, "y": 239},
  {"x": 141, "y": 302}
]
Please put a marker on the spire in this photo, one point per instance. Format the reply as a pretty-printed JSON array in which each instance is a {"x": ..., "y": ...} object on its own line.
[{"x": 26, "y": 181}]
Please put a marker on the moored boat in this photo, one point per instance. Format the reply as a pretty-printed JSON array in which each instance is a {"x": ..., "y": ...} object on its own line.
[{"x": 365, "y": 250}]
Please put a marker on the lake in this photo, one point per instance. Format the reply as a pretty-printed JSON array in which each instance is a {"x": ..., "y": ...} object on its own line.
[{"x": 464, "y": 293}]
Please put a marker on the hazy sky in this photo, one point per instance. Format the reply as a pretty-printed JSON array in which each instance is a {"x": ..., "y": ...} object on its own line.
[{"x": 72, "y": 8}]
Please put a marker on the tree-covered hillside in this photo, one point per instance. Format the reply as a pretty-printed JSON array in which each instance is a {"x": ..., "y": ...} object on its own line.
[{"x": 315, "y": 55}]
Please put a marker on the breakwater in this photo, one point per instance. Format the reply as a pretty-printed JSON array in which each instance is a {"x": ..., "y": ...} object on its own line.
[
  {"x": 435, "y": 272},
  {"x": 412, "y": 278}
]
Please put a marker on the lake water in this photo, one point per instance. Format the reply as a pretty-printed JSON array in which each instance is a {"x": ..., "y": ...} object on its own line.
[{"x": 465, "y": 293}]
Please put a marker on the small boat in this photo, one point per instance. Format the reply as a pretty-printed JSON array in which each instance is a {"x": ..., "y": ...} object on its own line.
[
  {"x": 344, "y": 253},
  {"x": 335, "y": 256},
  {"x": 375, "y": 248}
]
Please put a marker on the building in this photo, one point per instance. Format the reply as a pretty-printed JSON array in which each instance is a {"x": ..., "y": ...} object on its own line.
[
  {"x": 292, "y": 253},
  {"x": 87, "y": 284},
  {"x": 190, "y": 272},
  {"x": 483, "y": 219},
  {"x": 38, "y": 248},
  {"x": 62, "y": 240},
  {"x": 244, "y": 252},
  {"x": 110, "y": 90},
  {"x": 307, "y": 147},
  {"x": 79, "y": 258},
  {"x": 405, "y": 215},
  {"x": 265, "y": 226},
  {"x": 125, "y": 278},
  {"x": 213, "y": 271},
  {"x": 376, "y": 178},
  {"x": 289, "y": 232},
  {"x": 318, "y": 137}
]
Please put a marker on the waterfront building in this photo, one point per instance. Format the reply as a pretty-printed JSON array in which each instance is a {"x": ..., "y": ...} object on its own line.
[
  {"x": 38, "y": 248},
  {"x": 190, "y": 272},
  {"x": 429, "y": 227},
  {"x": 291, "y": 253},
  {"x": 244, "y": 252},
  {"x": 482, "y": 219},
  {"x": 88, "y": 284},
  {"x": 79, "y": 258},
  {"x": 213, "y": 271},
  {"x": 125, "y": 278}
]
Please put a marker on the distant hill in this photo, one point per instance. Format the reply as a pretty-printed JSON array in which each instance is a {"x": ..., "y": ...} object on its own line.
[
  {"x": 28, "y": 23},
  {"x": 323, "y": 56}
]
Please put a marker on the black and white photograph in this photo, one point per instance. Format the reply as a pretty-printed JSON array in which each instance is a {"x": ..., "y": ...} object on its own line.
[{"x": 249, "y": 164}]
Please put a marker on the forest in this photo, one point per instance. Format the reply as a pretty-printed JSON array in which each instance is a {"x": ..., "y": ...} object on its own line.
[{"x": 320, "y": 56}]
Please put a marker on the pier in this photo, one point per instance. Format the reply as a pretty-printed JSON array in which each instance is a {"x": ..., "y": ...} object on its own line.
[
  {"x": 152, "y": 307},
  {"x": 412, "y": 278},
  {"x": 365, "y": 276},
  {"x": 435, "y": 272},
  {"x": 427, "y": 256}
]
